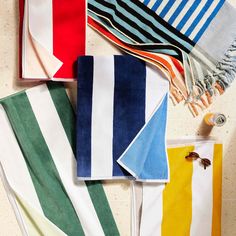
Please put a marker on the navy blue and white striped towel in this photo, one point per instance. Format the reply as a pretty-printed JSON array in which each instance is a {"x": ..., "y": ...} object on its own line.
[{"x": 121, "y": 119}]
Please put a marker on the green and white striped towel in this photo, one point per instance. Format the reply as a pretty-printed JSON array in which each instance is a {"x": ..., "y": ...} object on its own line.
[{"x": 38, "y": 167}]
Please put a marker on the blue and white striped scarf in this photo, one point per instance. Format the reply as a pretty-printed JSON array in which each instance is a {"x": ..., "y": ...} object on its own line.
[{"x": 199, "y": 33}]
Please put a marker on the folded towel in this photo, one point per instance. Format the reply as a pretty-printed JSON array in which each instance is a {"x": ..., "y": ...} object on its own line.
[
  {"x": 52, "y": 35},
  {"x": 38, "y": 167},
  {"x": 191, "y": 203},
  {"x": 121, "y": 119}
]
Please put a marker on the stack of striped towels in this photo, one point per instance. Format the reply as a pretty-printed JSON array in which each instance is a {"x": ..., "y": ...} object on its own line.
[{"x": 54, "y": 158}]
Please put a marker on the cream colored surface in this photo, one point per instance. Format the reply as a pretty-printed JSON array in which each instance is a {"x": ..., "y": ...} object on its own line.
[{"x": 181, "y": 123}]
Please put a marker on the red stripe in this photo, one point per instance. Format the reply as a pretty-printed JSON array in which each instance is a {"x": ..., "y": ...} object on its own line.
[
  {"x": 178, "y": 65},
  {"x": 68, "y": 34}
]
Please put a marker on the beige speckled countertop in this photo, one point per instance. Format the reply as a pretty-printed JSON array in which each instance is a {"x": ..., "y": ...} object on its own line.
[{"x": 181, "y": 123}]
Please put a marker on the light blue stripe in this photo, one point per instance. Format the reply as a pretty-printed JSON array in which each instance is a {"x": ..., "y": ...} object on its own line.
[
  {"x": 125, "y": 39},
  {"x": 146, "y": 2},
  {"x": 148, "y": 17},
  {"x": 160, "y": 27},
  {"x": 150, "y": 147},
  {"x": 135, "y": 20},
  {"x": 177, "y": 11},
  {"x": 164, "y": 51},
  {"x": 156, "y": 5},
  {"x": 115, "y": 32},
  {"x": 199, "y": 17},
  {"x": 120, "y": 21},
  {"x": 214, "y": 13},
  {"x": 188, "y": 15},
  {"x": 167, "y": 8}
]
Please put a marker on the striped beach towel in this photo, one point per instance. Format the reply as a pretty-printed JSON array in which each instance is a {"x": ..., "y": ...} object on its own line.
[
  {"x": 201, "y": 34},
  {"x": 38, "y": 167},
  {"x": 52, "y": 35},
  {"x": 191, "y": 203},
  {"x": 121, "y": 119}
]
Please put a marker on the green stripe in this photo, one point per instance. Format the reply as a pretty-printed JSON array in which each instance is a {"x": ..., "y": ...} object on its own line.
[
  {"x": 102, "y": 208},
  {"x": 53, "y": 198},
  {"x": 95, "y": 188}
]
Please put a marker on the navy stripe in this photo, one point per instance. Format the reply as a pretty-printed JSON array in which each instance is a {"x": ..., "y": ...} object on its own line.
[
  {"x": 124, "y": 30},
  {"x": 129, "y": 105},
  {"x": 131, "y": 23},
  {"x": 161, "y": 32},
  {"x": 84, "y": 115}
]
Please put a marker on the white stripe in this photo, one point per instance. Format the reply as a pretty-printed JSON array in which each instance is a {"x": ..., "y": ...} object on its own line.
[
  {"x": 152, "y": 209},
  {"x": 175, "y": 70},
  {"x": 102, "y": 117},
  {"x": 199, "y": 69},
  {"x": 202, "y": 196},
  {"x": 14, "y": 165},
  {"x": 161, "y": 7},
  {"x": 136, "y": 196},
  {"x": 151, "y": 3},
  {"x": 198, "y": 54},
  {"x": 40, "y": 22},
  {"x": 171, "y": 10},
  {"x": 193, "y": 16},
  {"x": 63, "y": 157},
  {"x": 11, "y": 195},
  {"x": 182, "y": 13},
  {"x": 204, "y": 19},
  {"x": 156, "y": 88}
]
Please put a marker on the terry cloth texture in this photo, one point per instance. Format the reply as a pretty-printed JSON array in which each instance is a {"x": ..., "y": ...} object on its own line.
[
  {"x": 200, "y": 34},
  {"x": 38, "y": 167},
  {"x": 52, "y": 35},
  {"x": 121, "y": 119},
  {"x": 191, "y": 203}
]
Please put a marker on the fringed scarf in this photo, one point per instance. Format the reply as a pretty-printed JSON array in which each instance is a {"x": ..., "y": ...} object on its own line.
[{"x": 199, "y": 35}]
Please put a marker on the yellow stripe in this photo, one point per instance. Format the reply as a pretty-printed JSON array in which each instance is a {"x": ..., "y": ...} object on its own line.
[
  {"x": 177, "y": 196},
  {"x": 217, "y": 190}
]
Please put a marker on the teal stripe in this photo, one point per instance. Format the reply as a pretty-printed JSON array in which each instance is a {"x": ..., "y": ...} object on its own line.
[
  {"x": 161, "y": 27},
  {"x": 125, "y": 39},
  {"x": 133, "y": 18},
  {"x": 120, "y": 21},
  {"x": 95, "y": 188},
  {"x": 111, "y": 29},
  {"x": 53, "y": 198},
  {"x": 139, "y": 23}
]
